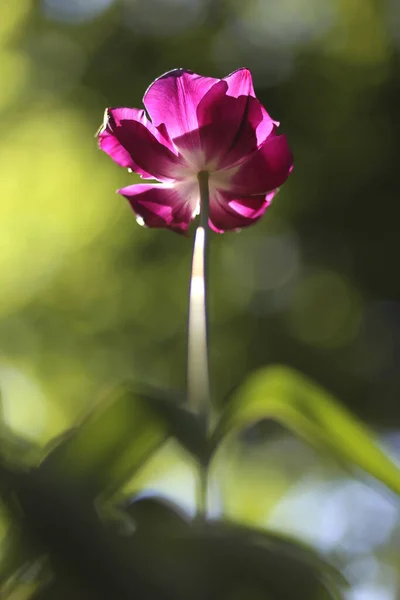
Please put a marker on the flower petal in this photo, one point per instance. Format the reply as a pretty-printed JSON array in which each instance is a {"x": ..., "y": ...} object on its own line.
[
  {"x": 229, "y": 212},
  {"x": 230, "y": 128},
  {"x": 232, "y": 124},
  {"x": 167, "y": 206},
  {"x": 240, "y": 83},
  {"x": 222, "y": 119},
  {"x": 173, "y": 98},
  {"x": 109, "y": 143},
  {"x": 266, "y": 169},
  {"x": 132, "y": 141}
]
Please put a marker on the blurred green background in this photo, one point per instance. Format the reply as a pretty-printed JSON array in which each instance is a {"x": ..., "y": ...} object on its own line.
[{"x": 88, "y": 298}]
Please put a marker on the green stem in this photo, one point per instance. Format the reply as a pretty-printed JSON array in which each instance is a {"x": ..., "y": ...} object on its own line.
[{"x": 198, "y": 381}]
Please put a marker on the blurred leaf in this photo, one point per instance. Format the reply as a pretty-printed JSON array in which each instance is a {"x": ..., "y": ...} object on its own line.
[
  {"x": 165, "y": 558},
  {"x": 20, "y": 566},
  {"x": 180, "y": 422},
  {"x": 285, "y": 395},
  {"x": 119, "y": 435},
  {"x": 13, "y": 554},
  {"x": 262, "y": 565},
  {"x": 60, "y": 521},
  {"x": 151, "y": 513},
  {"x": 216, "y": 560}
]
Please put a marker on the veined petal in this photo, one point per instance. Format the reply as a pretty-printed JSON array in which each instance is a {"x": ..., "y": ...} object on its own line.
[
  {"x": 231, "y": 128},
  {"x": 229, "y": 212},
  {"x": 266, "y": 169},
  {"x": 166, "y": 206},
  {"x": 221, "y": 119},
  {"x": 173, "y": 98},
  {"x": 232, "y": 123},
  {"x": 240, "y": 83},
  {"x": 132, "y": 141}
]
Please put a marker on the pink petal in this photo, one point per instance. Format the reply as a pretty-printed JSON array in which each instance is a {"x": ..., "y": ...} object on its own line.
[
  {"x": 229, "y": 212},
  {"x": 163, "y": 205},
  {"x": 173, "y": 98},
  {"x": 240, "y": 83},
  {"x": 110, "y": 144},
  {"x": 232, "y": 128},
  {"x": 222, "y": 120},
  {"x": 132, "y": 141},
  {"x": 232, "y": 124},
  {"x": 266, "y": 169}
]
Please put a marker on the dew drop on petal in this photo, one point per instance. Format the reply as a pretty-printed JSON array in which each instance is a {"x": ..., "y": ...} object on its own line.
[{"x": 140, "y": 221}]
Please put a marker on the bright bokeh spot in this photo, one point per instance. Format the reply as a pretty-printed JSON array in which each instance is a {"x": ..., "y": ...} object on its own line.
[{"x": 24, "y": 405}]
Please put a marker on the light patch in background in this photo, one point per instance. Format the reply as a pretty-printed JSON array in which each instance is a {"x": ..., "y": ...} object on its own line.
[
  {"x": 392, "y": 14},
  {"x": 346, "y": 516},
  {"x": 372, "y": 592},
  {"x": 286, "y": 23},
  {"x": 74, "y": 11},
  {"x": 170, "y": 474},
  {"x": 301, "y": 514},
  {"x": 42, "y": 229},
  {"x": 175, "y": 486},
  {"x": 263, "y": 35},
  {"x": 369, "y": 517},
  {"x": 23, "y": 403},
  {"x": 365, "y": 568},
  {"x": 232, "y": 47},
  {"x": 360, "y": 35},
  {"x": 326, "y": 309},
  {"x": 261, "y": 271},
  {"x": 163, "y": 17},
  {"x": 247, "y": 482},
  {"x": 12, "y": 15}
]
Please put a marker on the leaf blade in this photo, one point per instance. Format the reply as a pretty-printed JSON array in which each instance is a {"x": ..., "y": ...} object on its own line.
[{"x": 284, "y": 395}]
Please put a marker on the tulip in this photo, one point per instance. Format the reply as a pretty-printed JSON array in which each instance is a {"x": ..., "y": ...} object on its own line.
[{"x": 215, "y": 129}]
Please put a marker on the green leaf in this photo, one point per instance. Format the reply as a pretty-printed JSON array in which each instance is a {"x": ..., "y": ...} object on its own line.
[
  {"x": 14, "y": 554},
  {"x": 263, "y": 565},
  {"x": 282, "y": 394},
  {"x": 119, "y": 435},
  {"x": 150, "y": 515},
  {"x": 222, "y": 560}
]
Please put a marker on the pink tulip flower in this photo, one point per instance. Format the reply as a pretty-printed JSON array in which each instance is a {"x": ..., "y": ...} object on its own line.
[{"x": 198, "y": 125}]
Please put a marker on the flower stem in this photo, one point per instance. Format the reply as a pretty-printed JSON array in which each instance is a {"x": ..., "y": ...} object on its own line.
[
  {"x": 198, "y": 381},
  {"x": 198, "y": 376}
]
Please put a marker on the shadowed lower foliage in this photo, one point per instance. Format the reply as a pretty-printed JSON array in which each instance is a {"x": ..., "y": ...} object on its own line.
[{"x": 69, "y": 516}]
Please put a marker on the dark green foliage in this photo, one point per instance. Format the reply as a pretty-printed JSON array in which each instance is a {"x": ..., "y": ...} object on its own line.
[
  {"x": 117, "y": 437},
  {"x": 147, "y": 548}
]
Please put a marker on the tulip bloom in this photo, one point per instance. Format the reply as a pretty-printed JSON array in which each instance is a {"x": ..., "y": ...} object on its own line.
[{"x": 198, "y": 125}]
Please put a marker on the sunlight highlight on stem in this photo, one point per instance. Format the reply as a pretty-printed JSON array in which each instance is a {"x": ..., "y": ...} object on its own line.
[{"x": 198, "y": 369}]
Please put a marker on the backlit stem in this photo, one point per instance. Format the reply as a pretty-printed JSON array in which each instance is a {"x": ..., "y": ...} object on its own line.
[
  {"x": 198, "y": 381},
  {"x": 198, "y": 375}
]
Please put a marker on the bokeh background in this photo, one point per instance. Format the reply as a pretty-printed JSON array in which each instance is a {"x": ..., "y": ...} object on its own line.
[{"x": 88, "y": 298}]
